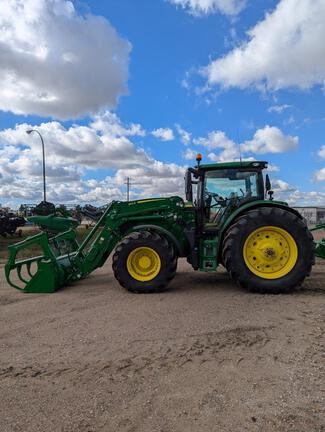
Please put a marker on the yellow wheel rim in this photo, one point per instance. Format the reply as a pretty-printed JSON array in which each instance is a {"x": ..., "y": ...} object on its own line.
[
  {"x": 270, "y": 252},
  {"x": 143, "y": 264}
]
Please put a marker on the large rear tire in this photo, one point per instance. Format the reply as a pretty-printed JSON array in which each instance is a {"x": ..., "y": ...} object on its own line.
[
  {"x": 268, "y": 250},
  {"x": 144, "y": 262}
]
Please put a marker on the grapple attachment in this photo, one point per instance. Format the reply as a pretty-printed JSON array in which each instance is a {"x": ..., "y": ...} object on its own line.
[
  {"x": 48, "y": 271},
  {"x": 61, "y": 259},
  {"x": 54, "y": 224}
]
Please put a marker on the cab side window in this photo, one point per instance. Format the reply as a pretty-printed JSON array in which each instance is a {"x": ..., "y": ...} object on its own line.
[{"x": 224, "y": 187}]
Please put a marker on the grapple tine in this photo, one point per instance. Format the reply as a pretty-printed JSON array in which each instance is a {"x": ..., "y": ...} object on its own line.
[
  {"x": 19, "y": 269},
  {"x": 49, "y": 276},
  {"x": 13, "y": 284},
  {"x": 28, "y": 265}
]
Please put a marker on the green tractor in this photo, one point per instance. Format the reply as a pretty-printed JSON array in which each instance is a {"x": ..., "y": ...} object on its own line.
[{"x": 233, "y": 220}]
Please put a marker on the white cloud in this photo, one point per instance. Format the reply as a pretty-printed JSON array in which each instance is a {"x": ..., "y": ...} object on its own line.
[
  {"x": 215, "y": 139},
  {"x": 272, "y": 168},
  {"x": 219, "y": 140},
  {"x": 165, "y": 134},
  {"x": 109, "y": 123},
  {"x": 184, "y": 135},
  {"x": 278, "y": 108},
  {"x": 103, "y": 193},
  {"x": 189, "y": 154},
  {"x": 321, "y": 152},
  {"x": 78, "y": 150},
  {"x": 283, "y": 191},
  {"x": 282, "y": 186},
  {"x": 320, "y": 175},
  {"x": 55, "y": 62},
  {"x": 77, "y": 145},
  {"x": 204, "y": 7},
  {"x": 270, "y": 139},
  {"x": 155, "y": 179},
  {"x": 289, "y": 120},
  {"x": 283, "y": 50}
]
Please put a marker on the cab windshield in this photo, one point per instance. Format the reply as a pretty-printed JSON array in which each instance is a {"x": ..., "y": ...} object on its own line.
[{"x": 224, "y": 187}]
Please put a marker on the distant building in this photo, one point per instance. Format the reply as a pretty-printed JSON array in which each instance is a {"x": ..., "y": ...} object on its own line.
[
  {"x": 5, "y": 209},
  {"x": 313, "y": 215}
]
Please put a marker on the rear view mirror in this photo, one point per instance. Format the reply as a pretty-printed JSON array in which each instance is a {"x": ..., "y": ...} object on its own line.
[
  {"x": 188, "y": 186},
  {"x": 267, "y": 183},
  {"x": 268, "y": 187}
]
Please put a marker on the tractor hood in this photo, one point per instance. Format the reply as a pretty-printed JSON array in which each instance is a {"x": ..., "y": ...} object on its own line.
[{"x": 154, "y": 204}]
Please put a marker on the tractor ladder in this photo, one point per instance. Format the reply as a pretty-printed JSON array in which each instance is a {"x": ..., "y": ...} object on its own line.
[{"x": 319, "y": 245}]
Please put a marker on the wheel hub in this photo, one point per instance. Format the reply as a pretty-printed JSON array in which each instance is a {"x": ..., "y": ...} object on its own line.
[
  {"x": 143, "y": 264},
  {"x": 270, "y": 252}
]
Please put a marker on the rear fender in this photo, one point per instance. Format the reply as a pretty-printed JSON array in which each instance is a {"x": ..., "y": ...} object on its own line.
[{"x": 251, "y": 206}]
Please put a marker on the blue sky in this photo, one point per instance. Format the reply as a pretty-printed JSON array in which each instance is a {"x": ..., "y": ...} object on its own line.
[{"x": 147, "y": 82}]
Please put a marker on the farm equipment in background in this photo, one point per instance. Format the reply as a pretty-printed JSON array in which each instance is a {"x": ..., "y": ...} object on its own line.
[
  {"x": 75, "y": 212},
  {"x": 44, "y": 208},
  {"x": 53, "y": 224},
  {"x": 9, "y": 223},
  {"x": 54, "y": 220},
  {"x": 92, "y": 213},
  {"x": 264, "y": 244}
]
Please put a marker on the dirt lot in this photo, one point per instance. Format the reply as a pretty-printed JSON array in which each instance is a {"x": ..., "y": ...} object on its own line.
[{"x": 204, "y": 356}]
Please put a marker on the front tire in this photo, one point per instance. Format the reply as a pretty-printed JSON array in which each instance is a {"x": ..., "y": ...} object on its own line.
[
  {"x": 268, "y": 250},
  {"x": 144, "y": 262}
]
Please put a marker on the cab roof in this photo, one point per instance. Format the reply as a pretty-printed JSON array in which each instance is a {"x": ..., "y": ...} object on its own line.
[{"x": 236, "y": 165}]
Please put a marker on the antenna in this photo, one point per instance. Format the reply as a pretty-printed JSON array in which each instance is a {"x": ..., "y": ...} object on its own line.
[
  {"x": 240, "y": 155},
  {"x": 239, "y": 147}
]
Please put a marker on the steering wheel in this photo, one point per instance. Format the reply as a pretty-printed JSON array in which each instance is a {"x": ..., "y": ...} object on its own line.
[{"x": 218, "y": 199}]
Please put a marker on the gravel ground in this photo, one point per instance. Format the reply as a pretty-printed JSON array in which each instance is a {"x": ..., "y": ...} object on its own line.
[{"x": 203, "y": 356}]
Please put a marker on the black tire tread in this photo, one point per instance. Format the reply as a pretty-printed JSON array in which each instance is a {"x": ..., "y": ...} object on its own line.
[
  {"x": 166, "y": 274},
  {"x": 248, "y": 280}
]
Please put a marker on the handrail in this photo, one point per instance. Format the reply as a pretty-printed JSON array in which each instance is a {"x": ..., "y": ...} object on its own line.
[{"x": 318, "y": 227}]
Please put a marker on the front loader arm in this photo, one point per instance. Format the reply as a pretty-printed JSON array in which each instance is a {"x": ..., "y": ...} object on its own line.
[
  {"x": 119, "y": 220},
  {"x": 63, "y": 260},
  {"x": 100, "y": 249}
]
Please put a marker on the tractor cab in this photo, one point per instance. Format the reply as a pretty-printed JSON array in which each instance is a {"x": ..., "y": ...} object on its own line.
[{"x": 222, "y": 188}]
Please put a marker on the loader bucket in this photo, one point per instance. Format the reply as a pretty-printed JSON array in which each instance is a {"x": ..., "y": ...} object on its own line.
[{"x": 44, "y": 273}]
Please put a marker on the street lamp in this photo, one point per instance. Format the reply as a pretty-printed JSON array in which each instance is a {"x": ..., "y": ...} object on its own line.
[{"x": 29, "y": 131}]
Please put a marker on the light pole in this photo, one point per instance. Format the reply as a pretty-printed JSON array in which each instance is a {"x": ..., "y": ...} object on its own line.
[
  {"x": 128, "y": 184},
  {"x": 29, "y": 131}
]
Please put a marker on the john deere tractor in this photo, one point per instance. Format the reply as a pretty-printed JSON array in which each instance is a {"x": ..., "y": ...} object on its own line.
[{"x": 233, "y": 221}]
